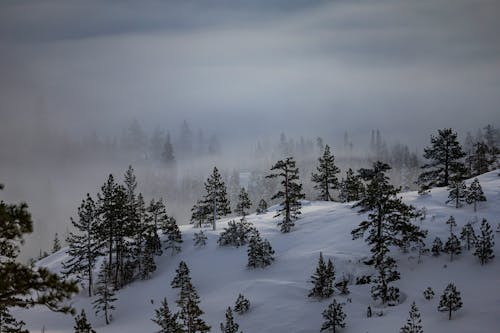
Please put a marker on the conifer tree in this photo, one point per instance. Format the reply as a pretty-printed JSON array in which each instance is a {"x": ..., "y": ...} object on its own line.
[
  {"x": 325, "y": 178},
  {"x": 242, "y": 304},
  {"x": 450, "y": 300},
  {"x": 56, "y": 245},
  {"x": 290, "y": 194},
  {"x": 437, "y": 246},
  {"x": 104, "y": 292},
  {"x": 451, "y": 222},
  {"x": 414, "y": 323},
  {"x": 334, "y": 317},
  {"x": 260, "y": 252},
  {"x": 475, "y": 193},
  {"x": 262, "y": 207},
  {"x": 167, "y": 320},
  {"x": 452, "y": 246},
  {"x": 457, "y": 192},
  {"x": 199, "y": 214},
  {"x": 81, "y": 324},
  {"x": 485, "y": 243},
  {"x": 444, "y": 155},
  {"x": 173, "y": 233},
  {"x": 322, "y": 279},
  {"x": 200, "y": 239},
  {"x": 181, "y": 276},
  {"x": 244, "y": 203},
  {"x": 216, "y": 197},
  {"x": 483, "y": 158},
  {"x": 84, "y": 247},
  {"x": 468, "y": 236},
  {"x": 351, "y": 188},
  {"x": 148, "y": 265},
  {"x": 428, "y": 293},
  {"x": 158, "y": 220},
  {"x": 167, "y": 155},
  {"x": 188, "y": 303},
  {"x": 230, "y": 326},
  {"x": 386, "y": 273},
  {"x": 9, "y": 324}
]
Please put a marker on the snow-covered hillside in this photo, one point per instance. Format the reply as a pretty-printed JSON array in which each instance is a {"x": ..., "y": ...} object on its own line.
[{"x": 278, "y": 293}]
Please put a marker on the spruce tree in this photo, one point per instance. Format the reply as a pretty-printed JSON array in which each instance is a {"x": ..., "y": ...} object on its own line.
[
  {"x": 167, "y": 320},
  {"x": 444, "y": 155},
  {"x": 56, "y": 244},
  {"x": 483, "y": 158},
  {"x": 190, "y": 311},
  {"x": 244, "y": 203},
  {"x": 81, "y": 324},
  {"x": 230, "y": 326},
  {"x": 290, "y": 194},
  {"x": 452, "y": 223},
  {"x": 322, "y": 279},
  {"x": 468, "y": 236},
  {"x": 84, "y": 248},
  {"x": 262, "y": 207},
  {"x": 200, "y": 239},
  {"x": 437, "y": 246},
  {"x": 260, "y": 252},
  {"x": 414, "y": 323},
  {"x": 485, "y": 243},
  {"x": 452, "y": 246},
  {"x": 475, "y": 194},
  {"x": 199, "y": 214},
  {"x": 215, "y": 198},
  {"x": 158, "y": 220},
  {"x": 167, "y": 155},
  {"x": 181, "y": 276},
  {"x": 450, "y": 300},
  {"x": 457, "y": 192},
  {"x": 351, "y": 188},
  {"x": 104, "y": 293},
  {"x": 173, "y": 233},
  {"x": 386, "y": 273},
  {"x": 325, "y": 178},
  {"x": 242, "y": 304},
  {"x": 334, "y": 317},
  {"x": 428, "y": 293}
]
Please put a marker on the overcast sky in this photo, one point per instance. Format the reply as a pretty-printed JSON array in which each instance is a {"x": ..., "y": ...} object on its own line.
[{"x": 328, "y": 66}]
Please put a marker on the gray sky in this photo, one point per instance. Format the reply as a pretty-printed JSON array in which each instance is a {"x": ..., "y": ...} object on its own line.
[{"x": 329, "y": 66}]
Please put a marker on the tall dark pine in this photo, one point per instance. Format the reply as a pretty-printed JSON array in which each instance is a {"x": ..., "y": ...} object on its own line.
[
  {"x": 216, "y": 197},
  {"x": 81, "y": 324},
  {"x": 452, "y": 246},
  {"x": 291, "y": 192},
  {"x": 485, "y": 243},
  {"x": 351, "y": 188},
  {"x": 457, "y": 192},
  {"x": 230, "y": 326},
  {"x": 325, "y": 178},
  {"x": 104, "y": 292},
  {"x": 199, "y": 214},
  {"x": 244, "y": 203},
  {"x": 468, "y": 235},
  {"x": 167, "y": 320},
  {"x": 84, "y": 246},
  {"x": 414, "y": 323},
  {"x": 334, "y": 317},
  {"x": 475, "y": 193},
  {"x": 322, "y": 279},
  {"x": 450, "y": 300},
  {"x": 167, "y": 155},
  {"x": 445, "y": 160}
]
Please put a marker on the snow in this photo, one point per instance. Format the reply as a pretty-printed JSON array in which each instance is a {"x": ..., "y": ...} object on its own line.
[{"x": 278, "y": 293}]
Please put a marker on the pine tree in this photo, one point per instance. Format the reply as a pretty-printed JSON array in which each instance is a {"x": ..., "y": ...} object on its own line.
[
  {"x": 56, "y": 245},
  {"x": 181, "y": 276},
  {"x": 452, "y": 246},
  {"x": 262, "y": 207},
  {"x": 81, "y": 324},
  {"x": 83, "y": 248},
  {"x": 9, "y": 324},
  {"x": 450, "y": 300},
  {"x": 216, "y": 197},
  {"x": 167, "y": 320},
  {"x": 242, "y": 304},
  {"x": 290, "y": 194},
  {"x": 173, "y": 233},
  {"x": 167, "y": 155},
  {"x": 200, "y": 239},
  {"x": 244, "y": 203},
  {"x": 386, "y": 273},
  {"x": 485, "y": 243},
  {"x": 451, "y": 222},
  {"x": 437, "y": 246},
  {"x": 230, "y": 326},
  {"x": 104, "y": 292},
  {"x": 457, "y": 192},
  {"x": 414, "y": 323},
  {"x": 334, "y": 317},
  {"x": 199, "y": 214},
  {"x": 322, "y": 279},
  {"x": 428, "y": 293},
  {"x": 483, "y": 158},
  {"x": 325, "y": 178},
  {"x": 468, "y": 236},
  {"x": 260, "y": 252},
  {"x": 352, "y": 188},
  {"x": 475, "y": 194},
  {"x": 445, "y": 154},
  {"x": 190, "y": 311},
  {"x": 158, "y": 219}
]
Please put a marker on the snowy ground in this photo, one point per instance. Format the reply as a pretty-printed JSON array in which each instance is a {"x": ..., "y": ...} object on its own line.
[{"x": 278, "y": 293}]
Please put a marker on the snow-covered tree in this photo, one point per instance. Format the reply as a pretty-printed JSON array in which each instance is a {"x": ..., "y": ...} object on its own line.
[
  {"x": 104, "y": 293},
  {"x": 452, "y": 223},
  {"x": 291, "y": 193},
  {"x": 81, "y": 324},
  {"x": 386, "y": 273},
  {"x": 237, "y": 233},
  {"x": 242, "y": 304},
  {"x": 230, "y": 326},
  {"x": 428, "y": 293},
  {"x": 351, "y": 188},
  {"x": 468, "y": 235},
  {"x": 216, "y": 197},
  {"x": 200, "y": 214},
  {"x": 414, "y": 323},
  {"x": 322, "y": 279},
  {"x": 56, "y": 244},
  {"x": 200, "y": 239},
  {"x": 167, "y": 320},
  {"x": 437, "y": 246},
  {"x": 485, "y": 243},
  {"x": 9, "y": 324},
  {"x": 334, "y": 317},
  {"x": 457, "y": 192},
  {"x": 450, "y": 300},
  {"x": 452, "y": 246},
  {"x": 173, "y": 233},
  {"x": 325, "y": 178},
  {"x": 260, "y": 252},
  {"x": 262, "y": 207},
  {"x": 167, "y": 154},
  {"x": 244, "y": 203},
  {"x": 475, "y": 193}
]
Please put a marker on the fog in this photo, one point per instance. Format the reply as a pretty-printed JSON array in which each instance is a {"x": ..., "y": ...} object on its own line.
[{"x": 75, "y": 74}]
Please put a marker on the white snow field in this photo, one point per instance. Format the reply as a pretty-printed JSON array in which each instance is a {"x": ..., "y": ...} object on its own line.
[{"x": 278, "y": 293}]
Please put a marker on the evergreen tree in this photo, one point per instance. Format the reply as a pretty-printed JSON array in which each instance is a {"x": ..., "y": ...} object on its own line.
[
  {"x": 475, "y": 193},
  {"x": 181, "y": 276},
  {"x": 437, "y": 246},
  {"x": 190, "y": 311},
  {"x": 200, "y": 239},
  {"x": 445, "y": 154},
  {"x": 485, "y": 243},
  {"x": 242, "y": 304},
  {"x": 9, "y": 324},
  {"x": 468, "y": 236},
  {"x": 262, "y": 207},
  {"x": 56, "y": 245},
  {"x": 334, "y": 317},
  {"x": 260, "y": 252},
  {"x": 483, "y": 158},
  {"x": 173, "y": 233},
  {"x": 81, "y": 324},
  {"x": 386, "y": 273},
  {"x": 167, "y": 155},
  {"x": 457, "y": 192},
  {"x": 237, "y": 233},
  {"x": 291, "y": 193},
  {"x": 450, "y": 300},
  {"x": 166, "y": 319},
  {"x": 414, "y": 323},
  {"x": 199, "y": 214},
  {"x": 244, "y": 203},
  {"x": 104, "y": 292},
  {"x": 325, "y": 178},
  {"x": 216, "y": 197},
  {"x": 21, "y": 285},
  {"x": 84, "y": 248},
  {"x": 158, "y": 219},
  {"x": 351, "y": 188},
  {"x": 148, "y": 265},
  {"x": 322, "y": 279},
  {"x": 230, "y": 326},
  {"x": 451, "y": 222},
  {"x": 452, "y": 246},
  {"x": 428, "y": 293}
]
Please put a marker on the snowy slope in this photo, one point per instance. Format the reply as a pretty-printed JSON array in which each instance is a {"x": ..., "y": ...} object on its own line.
[{"x": 278, "y": 293}]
